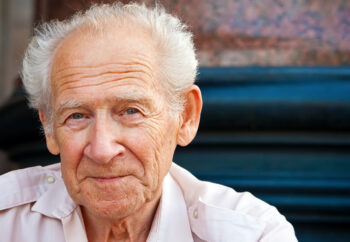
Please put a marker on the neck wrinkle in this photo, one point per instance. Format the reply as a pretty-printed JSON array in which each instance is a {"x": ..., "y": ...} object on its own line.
[{"x": 134, "y": 227}]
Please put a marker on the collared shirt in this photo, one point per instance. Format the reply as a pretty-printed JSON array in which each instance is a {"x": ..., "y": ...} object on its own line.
[{"x": 35, "y": 206}]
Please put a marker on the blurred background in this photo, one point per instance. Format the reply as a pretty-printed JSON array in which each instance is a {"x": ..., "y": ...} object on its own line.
[{"x": 275, "y": 79}]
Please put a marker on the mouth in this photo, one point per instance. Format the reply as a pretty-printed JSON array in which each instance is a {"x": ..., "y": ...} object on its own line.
[{"x": 108, "y": 179}]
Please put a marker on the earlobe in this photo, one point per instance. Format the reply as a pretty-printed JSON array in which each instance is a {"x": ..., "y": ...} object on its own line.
[
  {"x": 190, "y": 116},
  {"x": 51, "y": 143}
]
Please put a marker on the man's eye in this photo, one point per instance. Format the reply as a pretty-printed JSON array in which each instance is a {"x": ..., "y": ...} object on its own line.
[
  {"x": 77, "y": 116},
  {"x": 131, "y": 111}
]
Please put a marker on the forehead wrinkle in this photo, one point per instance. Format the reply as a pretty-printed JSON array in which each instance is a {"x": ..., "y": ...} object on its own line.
[
  {"x": 108, "y": 76},
  {"x": 113, "y": 82},
  {"x": 79, "y": 75},
  {"x": 111, "y": 68},
  {"x": 70, "y": 74},
  {"x": 124, "y": 61}
]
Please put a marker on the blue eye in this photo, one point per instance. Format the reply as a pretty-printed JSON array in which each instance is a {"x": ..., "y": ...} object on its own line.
[
  {"x": 131, "y": 111},
  {"x": 77, "y": 116}
]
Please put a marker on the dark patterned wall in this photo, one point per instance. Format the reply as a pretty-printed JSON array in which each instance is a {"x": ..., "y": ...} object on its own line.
[{"x": 247, "y": 32}]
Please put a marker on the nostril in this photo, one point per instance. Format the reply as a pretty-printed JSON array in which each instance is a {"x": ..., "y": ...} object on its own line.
[
  {"x": 104, "y": 143},
  {"x": 104, "y": 152}
]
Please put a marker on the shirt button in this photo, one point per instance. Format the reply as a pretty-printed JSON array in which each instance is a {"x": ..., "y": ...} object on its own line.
[
  {"x": 195, "y": 213},
  {"x": 50, "y": 179}
]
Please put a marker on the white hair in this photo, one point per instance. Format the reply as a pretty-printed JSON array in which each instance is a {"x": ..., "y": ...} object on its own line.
[{"x": 174, "y": 42}]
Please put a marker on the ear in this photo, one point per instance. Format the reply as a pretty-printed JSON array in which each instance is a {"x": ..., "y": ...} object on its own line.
[
  {"x": 190, "y": 116},
  {"x": 51, "y": 142}
]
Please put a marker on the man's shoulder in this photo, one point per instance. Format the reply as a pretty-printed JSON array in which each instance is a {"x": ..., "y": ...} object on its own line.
[
  {"x": 216, "y": 194},
  {"x": 26, "y": 185},
  {"x": 30, "y": 201},
  {"x": 241, "y": 212}
]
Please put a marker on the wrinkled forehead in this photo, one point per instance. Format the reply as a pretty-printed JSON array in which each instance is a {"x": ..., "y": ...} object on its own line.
[{"x": 118, "y": 45}]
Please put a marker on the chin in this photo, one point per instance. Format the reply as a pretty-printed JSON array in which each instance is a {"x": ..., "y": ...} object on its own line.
[
  {"x": 115, "y": 209},
  {"x": 114, "y": 205}
]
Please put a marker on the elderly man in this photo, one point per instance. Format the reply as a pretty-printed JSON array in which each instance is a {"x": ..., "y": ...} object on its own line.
[{"x": 115, "y": 94}]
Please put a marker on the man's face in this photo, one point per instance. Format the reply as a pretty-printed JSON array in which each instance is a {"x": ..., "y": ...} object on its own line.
[{"x": 112, "y": 126}]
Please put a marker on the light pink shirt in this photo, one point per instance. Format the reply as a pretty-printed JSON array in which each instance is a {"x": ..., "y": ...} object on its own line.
[{"x": 35, "y": 206}]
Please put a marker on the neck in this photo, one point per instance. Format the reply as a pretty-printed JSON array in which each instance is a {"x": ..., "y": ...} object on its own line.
[{"x": 134, "y": 227}]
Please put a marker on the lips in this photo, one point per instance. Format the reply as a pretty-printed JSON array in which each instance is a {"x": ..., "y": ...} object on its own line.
[{"x": 108, "y": 179}]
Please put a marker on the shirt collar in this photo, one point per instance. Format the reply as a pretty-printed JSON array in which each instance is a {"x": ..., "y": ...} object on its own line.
[
  {"x": 55, "y": 202},
  {"x": 170, "y": 223},
  {"x": 171, "y": 220}
]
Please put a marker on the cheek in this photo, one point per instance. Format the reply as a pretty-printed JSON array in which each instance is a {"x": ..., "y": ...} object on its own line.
[
  {"x": 142, "y": 145},
  {"x": 155, "y": 144},
  {"x": 71, "y": 148},
  {"x": 71, "y": 152},
  {"x": 166, "y": 148}
]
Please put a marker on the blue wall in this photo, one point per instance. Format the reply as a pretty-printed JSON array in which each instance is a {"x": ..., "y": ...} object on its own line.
[{"x": 282, "y": 133}]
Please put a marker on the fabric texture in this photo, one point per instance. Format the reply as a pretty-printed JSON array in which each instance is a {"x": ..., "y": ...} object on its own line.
[{"x": 35, "y": 206}]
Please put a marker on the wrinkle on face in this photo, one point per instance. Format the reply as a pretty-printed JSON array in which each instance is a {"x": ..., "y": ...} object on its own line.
[
  {"x": 135, "y": 65},
  {"x": 121, "y": 74},
  {"x": 92, "y": 78},
  {"x": 96, "y": 62},
  {"x": 111, "y": 67},
  {"x": 132, "y": 95}
]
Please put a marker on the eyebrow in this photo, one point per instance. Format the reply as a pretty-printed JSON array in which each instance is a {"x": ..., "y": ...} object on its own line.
[
  {"x": 125, "y": 97},
  {"x": 136, "y": 97},
  {"x": 68, "y": 104}
]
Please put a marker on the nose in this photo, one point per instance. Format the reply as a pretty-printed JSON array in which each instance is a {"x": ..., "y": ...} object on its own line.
[{"x": 103, "y": 144}]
